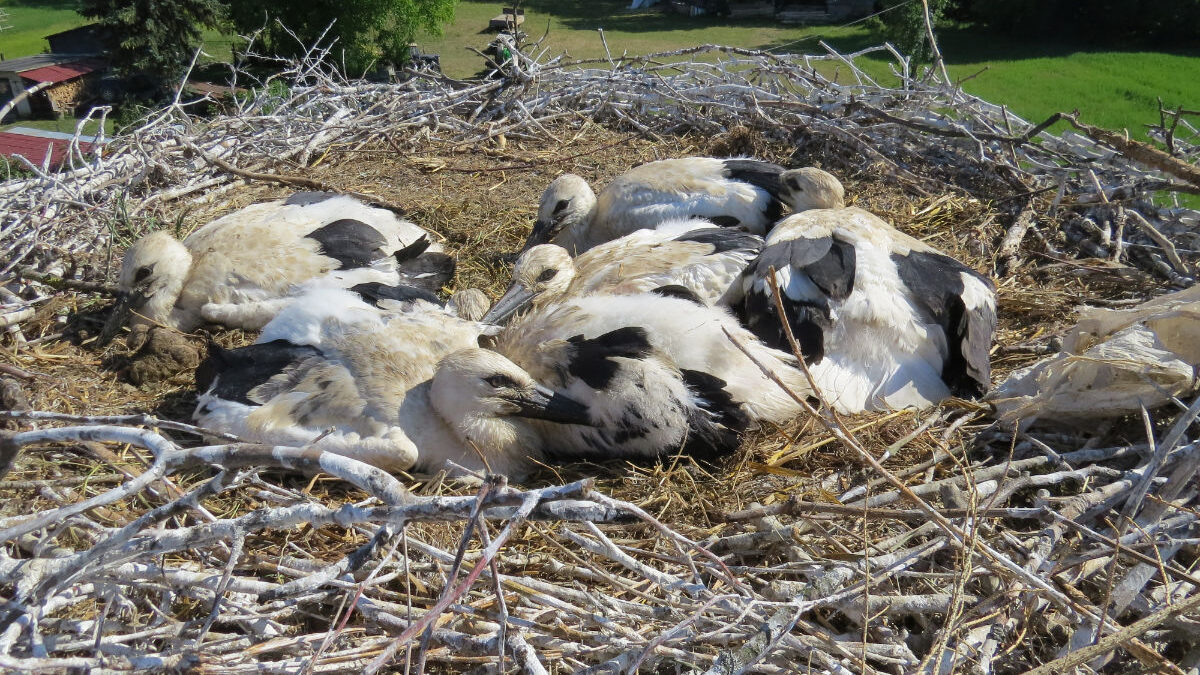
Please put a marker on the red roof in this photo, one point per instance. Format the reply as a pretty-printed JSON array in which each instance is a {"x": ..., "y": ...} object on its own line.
[
  {"x": 34, "y": 148},
  {"x": 59, "y": 73}
]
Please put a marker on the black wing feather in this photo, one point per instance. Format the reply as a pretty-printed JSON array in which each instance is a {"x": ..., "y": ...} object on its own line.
[
  {"x": 830, "y": 264},
  {"x": 373, "y": 292},
  {"x": 724, "y": 239},
  {"x": 679, "y": 292},
  {"x": 590, "y": 359},
  {"x": 352, "y": 243},
  {"x": 716, "y": 428},
  {"x": 756, "y": 172},
  {"x": 936, "y": 285},
  {"x": 307, "y": 198},
  {"x": 430, "y": 271},
  {"x": 232, "y": 373}
]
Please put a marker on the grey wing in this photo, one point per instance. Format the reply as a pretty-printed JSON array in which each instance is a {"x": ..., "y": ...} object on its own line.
[
  {"x": 963, "y": 303},
  {"x": 812, "y": 273},
  {"x": 979, "y": 299}
]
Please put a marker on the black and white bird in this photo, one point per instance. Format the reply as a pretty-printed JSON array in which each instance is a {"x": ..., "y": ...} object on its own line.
[
  {"x": 397, "y": 390},
  {"x": 639, "y": 404},
  {"x": 685, "y": 334},
  {"x": 741, "y": 193},
  {"x": 242, "y": 268},
  {"x": 693, "y": 254},
  {"x": 883, "y": 320}
]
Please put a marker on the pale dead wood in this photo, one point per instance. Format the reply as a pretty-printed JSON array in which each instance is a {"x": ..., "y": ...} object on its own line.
[{"x": 996, "y": 562}]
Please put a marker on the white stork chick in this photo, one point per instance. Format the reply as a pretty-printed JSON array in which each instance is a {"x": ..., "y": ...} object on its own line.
[
  {"x": 811, "y": 188},
  {"x": 407, "y": 390},
  {"x": 883, "y": 320},
  {"x": 742, "y": 193},
  {"x": 242, "y": 268},
  {"x": 706, "y": 261},
  {"x": 686, "y": 334},
  {"x": 639, "y": 405},
  {"x": 469, "y": 303}
]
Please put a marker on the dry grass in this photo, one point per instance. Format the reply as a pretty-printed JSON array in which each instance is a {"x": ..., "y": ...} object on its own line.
[{"x": 483, "y": 201}]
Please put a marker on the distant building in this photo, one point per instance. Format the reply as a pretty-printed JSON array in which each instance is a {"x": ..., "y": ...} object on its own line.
[
  {"x": 72, "y": 79},
  {"x": 87, "y": 39},
  {"x": 36, "y": 145},
  {"x": 73, "y": 68}
]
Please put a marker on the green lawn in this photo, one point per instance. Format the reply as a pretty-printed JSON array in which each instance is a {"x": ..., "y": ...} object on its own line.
[
  {"x": 31, "y": 21},
  {"x": 1111, "y": 89},
  {"x": 573, "y": 30},
  {"x": 66, "y": 125},
  {"x": 1114, "y": 89}
]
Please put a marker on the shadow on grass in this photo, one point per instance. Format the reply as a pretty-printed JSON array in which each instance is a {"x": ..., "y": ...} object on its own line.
[
  {"x": 43, "y": 4},
  {"x": 615, "y": 15},
  {"x": 965, "y": 44}
]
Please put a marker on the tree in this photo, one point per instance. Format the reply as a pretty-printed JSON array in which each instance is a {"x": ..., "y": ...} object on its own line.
[
  {"x": 368, "y": 32},
  {"x": 153, "y": 39},
  {"x": 904, "y": 26}
]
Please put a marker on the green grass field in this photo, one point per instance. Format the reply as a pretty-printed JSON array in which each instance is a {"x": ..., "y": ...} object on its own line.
[
  {"x": 1114, "y": 89},
  {"x": 31, "y": 21}
]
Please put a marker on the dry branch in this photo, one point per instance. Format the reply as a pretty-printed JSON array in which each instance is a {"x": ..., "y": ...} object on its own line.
[{"x": 996, "y": 560}]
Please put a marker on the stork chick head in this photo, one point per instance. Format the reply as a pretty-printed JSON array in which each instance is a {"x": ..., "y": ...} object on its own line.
[
  {"x": 567, "y": 203},
  {"x": 470, "y": 304},
  {"x": 811, "y": 188},
  {"x": 542, "y": 273},
  {"x": 153, "y": 272},
  {"x": 482, "y": 395}
]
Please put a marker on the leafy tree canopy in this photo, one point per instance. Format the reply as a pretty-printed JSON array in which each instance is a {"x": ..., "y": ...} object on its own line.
[
  {"x": 368, "y": 32},
  {"x": 903, "y": 25},
  {"x": 153, "y": 39}
]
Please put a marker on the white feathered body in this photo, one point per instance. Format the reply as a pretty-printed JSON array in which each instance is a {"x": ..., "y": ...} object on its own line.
[
  {"x": 648, "y": 259},
  {"x": 669, "y": 189},
  {"x": 242, "y": 268},
  {"x": 369, "y": 381},
  {"x": 689, "y": 336},
  {"x": 882, "y": 347}
]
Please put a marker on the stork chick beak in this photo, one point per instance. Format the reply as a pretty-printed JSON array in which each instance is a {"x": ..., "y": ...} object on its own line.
[
  {"x": 513, "y": 300},
  {"x": 120, "y": 313},
  {"x": 543, "y": 232},
  {"x": 544, "y": 403}
]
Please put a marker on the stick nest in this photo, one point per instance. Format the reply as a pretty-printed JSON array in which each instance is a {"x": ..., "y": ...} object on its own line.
[{"x": 894, "y": 542}]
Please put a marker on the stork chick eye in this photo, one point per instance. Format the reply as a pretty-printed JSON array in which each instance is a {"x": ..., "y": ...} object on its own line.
[
  {"x": 141, "y": 275},
  {"x": 500, "y": 381},
  {"x": 546, "y": 275},
  {"x": 795, "y": 185},
  {"x": 562, "y": 204}
]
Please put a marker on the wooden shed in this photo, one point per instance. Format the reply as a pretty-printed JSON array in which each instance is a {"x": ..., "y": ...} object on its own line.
[{"x": 70, "y": 79}]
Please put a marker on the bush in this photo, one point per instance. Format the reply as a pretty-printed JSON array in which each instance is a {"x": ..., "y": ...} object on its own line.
[{"x": 905, "y": 26}]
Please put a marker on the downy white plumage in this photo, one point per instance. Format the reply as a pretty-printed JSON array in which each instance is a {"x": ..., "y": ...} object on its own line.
[
  {"x": 693, "y": 254},
  {"x": 883, "y": 320},
  {"x": 396, "y": 390},
  {"x": 242, "y": 268},
  {"x": 742, "y": 193},
  {"x": 811, "y": 188},
  {"x": 686, "y": 334}
]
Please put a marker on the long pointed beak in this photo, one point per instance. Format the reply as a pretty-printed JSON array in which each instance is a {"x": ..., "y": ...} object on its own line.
[
  {"x": 544, "y": 403},
  {"x": 513, "y": 300},
  {"x": 543, "y": 232},
  {"x": 119, "y": 315}
]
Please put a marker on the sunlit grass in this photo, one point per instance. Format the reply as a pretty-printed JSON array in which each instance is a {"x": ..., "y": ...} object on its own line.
[{"x": 31, "y": 21}]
